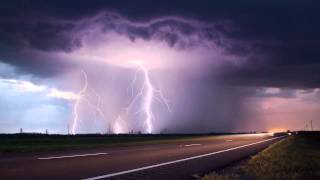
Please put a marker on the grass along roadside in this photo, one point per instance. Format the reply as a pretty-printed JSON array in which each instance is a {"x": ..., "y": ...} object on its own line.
[{"x": 296, "y": 157}]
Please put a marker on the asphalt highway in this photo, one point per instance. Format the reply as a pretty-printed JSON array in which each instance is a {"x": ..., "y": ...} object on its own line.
[{"x": 179, "y": 160}]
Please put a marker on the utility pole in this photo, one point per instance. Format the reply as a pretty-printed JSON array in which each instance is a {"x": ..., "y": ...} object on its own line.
[
  {"x": 311, "y": 127},
  {"x": 306, "y": 127}
]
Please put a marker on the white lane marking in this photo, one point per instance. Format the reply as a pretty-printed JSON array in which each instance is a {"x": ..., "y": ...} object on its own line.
[
  {"x": 177, "y": 161},
  {"x": 188, "y": 145},
  {"x": 71, "y": 156},
  {"x": 229, "y": 140}
]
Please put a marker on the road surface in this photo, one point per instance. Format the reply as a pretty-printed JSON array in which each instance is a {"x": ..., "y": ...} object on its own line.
[{"x": 179, "y": 160}]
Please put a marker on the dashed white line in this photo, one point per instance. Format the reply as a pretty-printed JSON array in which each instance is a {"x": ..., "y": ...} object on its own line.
[
  {"x": 177, "y": 161},
  {"x": 71, "y": 156},
  {"x": 188, "y": 145}
]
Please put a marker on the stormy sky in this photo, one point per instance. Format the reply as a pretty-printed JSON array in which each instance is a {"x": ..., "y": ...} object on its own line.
[{"x": 88, "y": 66}]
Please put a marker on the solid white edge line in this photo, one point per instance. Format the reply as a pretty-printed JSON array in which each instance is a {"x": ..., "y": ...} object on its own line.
[
  {"x": 177, "y": 161},
  {"x": 188, "y": 145},
  {"x": 71, "y": 156}
]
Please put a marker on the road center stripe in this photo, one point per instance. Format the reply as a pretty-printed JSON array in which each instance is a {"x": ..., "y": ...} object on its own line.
[
  {"x": 188, "y": 145},
  {"x": 71, "y": 156},
  {"x": 179, "y": 160}
]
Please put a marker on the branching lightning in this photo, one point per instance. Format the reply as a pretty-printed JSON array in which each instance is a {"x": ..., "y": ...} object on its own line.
[
  {"x": 148, "y": 94},
  {"x": 78, "y": 101},
  {"x": 80, "y": 97}
]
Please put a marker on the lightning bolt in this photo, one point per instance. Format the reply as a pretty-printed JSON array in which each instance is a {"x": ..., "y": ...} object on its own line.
[
  {"x": 77, "y": 103},
  {"x": 80, "y": 97},
  {"x": 148, "y": 99},
  {"x": 148, "y": 94}
]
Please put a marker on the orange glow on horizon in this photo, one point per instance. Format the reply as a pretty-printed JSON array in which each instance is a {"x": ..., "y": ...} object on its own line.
[{"x": 275, "y": 130}]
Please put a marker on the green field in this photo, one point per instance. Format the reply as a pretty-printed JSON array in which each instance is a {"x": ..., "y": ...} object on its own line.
[
  {"x": 296, "y": 157},
  {"x": 11, "y": 143},
  {"x": 23, "y": 143},
  {"x": 20, "y": 143}
]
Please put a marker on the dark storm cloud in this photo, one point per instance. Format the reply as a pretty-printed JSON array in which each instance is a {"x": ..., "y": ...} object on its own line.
[
  {"x": 302, "y": 75},
  {"x": 174, "y": 30},
  {"x": 278, "y": 40}
]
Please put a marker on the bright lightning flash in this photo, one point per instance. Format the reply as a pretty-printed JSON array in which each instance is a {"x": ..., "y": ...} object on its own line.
[
  {"x": 148, "y": 92},
  {"x": 78, "y": 101},
  {"x": 148, "y": 98}
]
